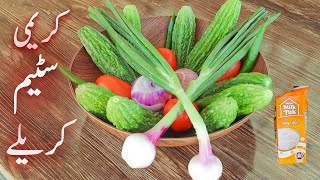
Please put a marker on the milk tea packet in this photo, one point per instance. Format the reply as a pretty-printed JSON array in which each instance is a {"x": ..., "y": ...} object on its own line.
[{"x": 290, "y": 126}]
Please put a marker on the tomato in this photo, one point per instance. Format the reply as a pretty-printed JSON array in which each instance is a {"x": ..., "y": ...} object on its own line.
[
  {"x": 169, "y": 57},
  {"x": 182, "y": 122},
  {"x": 233, "y": 72},
  {"x": 115, "y": 85}
]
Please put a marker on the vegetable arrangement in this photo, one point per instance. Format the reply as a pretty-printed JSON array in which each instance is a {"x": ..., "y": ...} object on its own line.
[{"x": 207, "y": 73}]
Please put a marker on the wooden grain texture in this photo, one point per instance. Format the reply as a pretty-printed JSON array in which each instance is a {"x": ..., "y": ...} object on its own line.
[
  {"x": 290, "y": 47},
  {"x": 154, "y": 29}
]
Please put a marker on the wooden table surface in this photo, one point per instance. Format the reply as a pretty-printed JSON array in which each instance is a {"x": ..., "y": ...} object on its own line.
[{"x": 290, "y": 47}]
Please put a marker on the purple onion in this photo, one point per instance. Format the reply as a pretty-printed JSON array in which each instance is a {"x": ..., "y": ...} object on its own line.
[
  {"x": 149, "y": 95},
  {"x": 185, "y": 76}
]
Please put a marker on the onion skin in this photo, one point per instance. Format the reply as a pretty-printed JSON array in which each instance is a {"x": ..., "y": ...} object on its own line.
[
  {"x": 185, "y": 76},
  {"x": 149, "y": 95}
]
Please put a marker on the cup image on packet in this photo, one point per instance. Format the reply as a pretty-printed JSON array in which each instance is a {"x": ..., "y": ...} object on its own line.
[
  {"x": 287, "y": 138},
  {"x": 290, "y": 126}
]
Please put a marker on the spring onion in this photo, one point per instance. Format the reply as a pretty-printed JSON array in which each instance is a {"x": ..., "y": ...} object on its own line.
[
  {"x": 76, "y": 80},
  {"x": 130, "y": 11}
]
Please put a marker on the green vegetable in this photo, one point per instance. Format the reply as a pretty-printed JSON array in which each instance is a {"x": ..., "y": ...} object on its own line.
[
  {"x": 220, "y": 113},
  {"x": 105, "y": 55},
  {"x": 242, "y": 78},
  {"x": 132, "y": 15},
  {"x": 126, "y": 114},
  {"x": 93, "y": 98},
  {"x": 76, "y": 80},
  {"x": 169, "y": 31},
  {"x": 249, "y": 97},
  {"x": 183, "y": 34},
  {"x": 255, "y": 48},
  {"x": 146, "y": 60},
  {"x": 223, "y": 22}
]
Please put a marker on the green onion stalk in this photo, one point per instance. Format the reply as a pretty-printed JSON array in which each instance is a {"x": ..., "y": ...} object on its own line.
[{"x": 139, "y": 148}]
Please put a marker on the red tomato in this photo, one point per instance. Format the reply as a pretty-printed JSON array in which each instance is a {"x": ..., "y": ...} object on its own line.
[
  {"x": 233, "y": 72},
  {"x": 169, "y": 57},
  {"x": 182, "y": 123},
  {"x": 115, "y": 85}
]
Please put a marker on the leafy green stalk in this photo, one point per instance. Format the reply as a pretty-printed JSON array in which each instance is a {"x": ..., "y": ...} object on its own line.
[
  {"x": 73, "y": 78},
  {"x": 255, "y": 49},
  {"x": 131, "y": 13},
  {"x": 169, "y": 31}
]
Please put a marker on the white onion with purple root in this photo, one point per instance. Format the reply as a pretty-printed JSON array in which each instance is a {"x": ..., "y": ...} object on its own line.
[
  {"x": 138, "y": 151},
  {"x": 149, "y": 95},
  {"x": 209, "y": 170}
]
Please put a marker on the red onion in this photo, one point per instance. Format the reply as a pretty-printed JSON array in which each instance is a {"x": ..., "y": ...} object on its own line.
[
  {"x": 149, "y": 95},
  {"x": 185, "y": 76}
]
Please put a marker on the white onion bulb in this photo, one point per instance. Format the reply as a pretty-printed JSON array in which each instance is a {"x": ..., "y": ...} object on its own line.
[
  {"x": 211, "y": 170},
  {"x": 138, "y": 151}
]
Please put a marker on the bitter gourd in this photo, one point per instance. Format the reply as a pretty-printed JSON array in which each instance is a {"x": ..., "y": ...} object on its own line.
[
  {"x": 242, "y": 78},
  {"x": 93, "y": 98},
  {"x": 250, "y": 97},
  {"x": 105, "y": 55},
  {"x": 126, "y": 114},
  {"x": 220, "y": 113},
  {"x": 183, "y": 34},
  {"x": 223, "y": 22}
]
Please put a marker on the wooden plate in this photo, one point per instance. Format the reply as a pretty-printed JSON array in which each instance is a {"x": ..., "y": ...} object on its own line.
[{"x": 154, "y": 29}]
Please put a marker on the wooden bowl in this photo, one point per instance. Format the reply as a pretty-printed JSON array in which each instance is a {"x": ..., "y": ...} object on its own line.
[{"x": 154, "y": 29}]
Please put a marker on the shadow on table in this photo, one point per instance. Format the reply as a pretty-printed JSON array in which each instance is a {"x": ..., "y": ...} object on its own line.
[{"x": 237, "y": 152}]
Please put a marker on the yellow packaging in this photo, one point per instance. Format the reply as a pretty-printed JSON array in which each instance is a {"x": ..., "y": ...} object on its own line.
[{"x": 290, "y": 126}]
